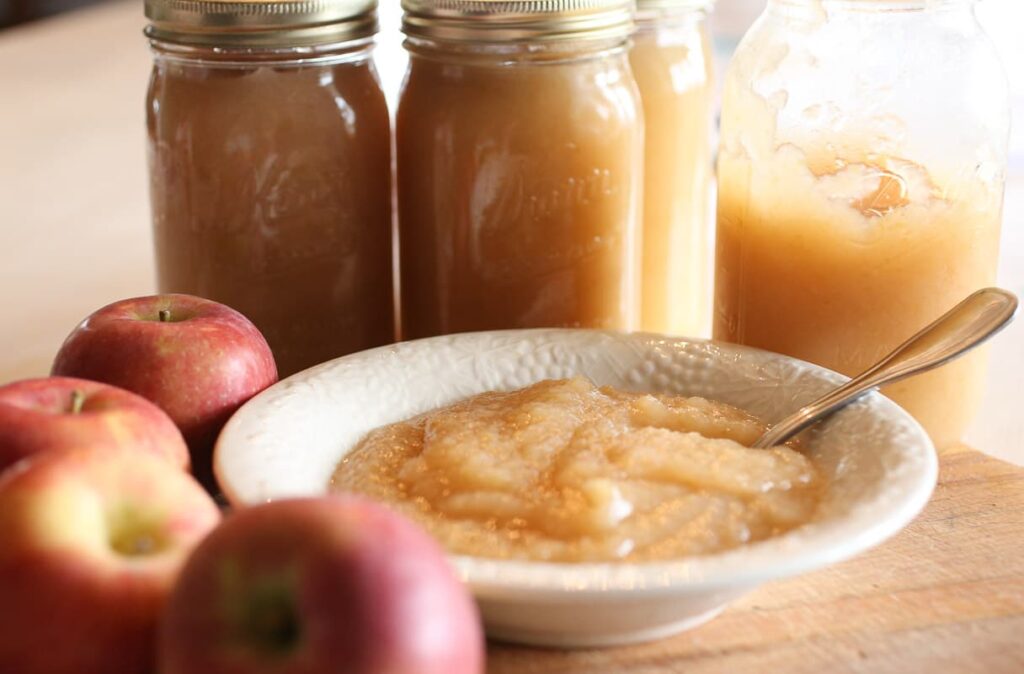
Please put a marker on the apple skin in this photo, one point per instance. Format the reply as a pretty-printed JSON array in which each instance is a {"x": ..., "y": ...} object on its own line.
[
  {"x": 74, "y": 601},
  {"x": 319, "y": 586},
  {"x": 199, "y": 366},
  {"x": 36, "y": 416}
]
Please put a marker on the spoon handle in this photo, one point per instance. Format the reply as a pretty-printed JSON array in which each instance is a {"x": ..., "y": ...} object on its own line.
[{"x": 962, "y": 328}]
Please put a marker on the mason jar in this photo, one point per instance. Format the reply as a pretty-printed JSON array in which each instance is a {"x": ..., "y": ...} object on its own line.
[
  {"x": 520, "y": 148},
  {"x": 270, "y": 169},
  {"x": 861, "y": 176},
  {"x": 671, "y": 59}
]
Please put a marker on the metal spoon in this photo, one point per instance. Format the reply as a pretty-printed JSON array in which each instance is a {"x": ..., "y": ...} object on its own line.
[{"x": 964, "y": 327}]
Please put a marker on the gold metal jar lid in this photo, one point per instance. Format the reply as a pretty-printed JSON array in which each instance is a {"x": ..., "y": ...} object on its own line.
[
  {"x": 517, "y": 20},
  {"x": 260, "y": 23}
]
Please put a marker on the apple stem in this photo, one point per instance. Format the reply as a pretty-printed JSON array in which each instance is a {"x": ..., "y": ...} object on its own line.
[
  {"x": 77, "y": 400},
  {"x": 164, "y": 315}
]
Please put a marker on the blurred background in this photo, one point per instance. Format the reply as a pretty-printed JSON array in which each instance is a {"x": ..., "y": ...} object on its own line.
[{"x": 13, "y": 12}]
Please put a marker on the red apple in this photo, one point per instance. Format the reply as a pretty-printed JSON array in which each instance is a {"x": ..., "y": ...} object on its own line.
[
  {"x": 39, "y": 415},
  {"x": 319, "y": 586},
  {"x": 91, "y": 541},
  {"x": 196, "y": 359}
]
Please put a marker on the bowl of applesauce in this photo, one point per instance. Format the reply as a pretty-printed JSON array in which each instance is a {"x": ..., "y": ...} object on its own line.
[{"x": 592, "y": 488}]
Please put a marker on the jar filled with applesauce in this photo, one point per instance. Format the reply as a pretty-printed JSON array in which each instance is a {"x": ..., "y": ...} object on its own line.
[
  {"x": 270, "y": 169},
  {"x": 520, "y": 141},
  {"x": 671, "y": 59},
  {"x": 861, "y": 176}
]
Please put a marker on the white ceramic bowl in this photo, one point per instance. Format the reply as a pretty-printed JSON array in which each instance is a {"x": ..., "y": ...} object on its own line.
[{"x": 880, "y": 464}]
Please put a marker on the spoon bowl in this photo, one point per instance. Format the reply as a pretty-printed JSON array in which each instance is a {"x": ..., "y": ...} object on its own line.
[{"x": 966, "y": 326}]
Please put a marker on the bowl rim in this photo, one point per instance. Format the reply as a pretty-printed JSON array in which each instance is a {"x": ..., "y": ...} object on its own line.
[{"x": 802, "y": 549}]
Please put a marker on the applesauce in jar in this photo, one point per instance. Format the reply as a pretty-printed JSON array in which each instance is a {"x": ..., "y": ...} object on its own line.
[
  {"x": 859, "y": 201},
  {"x": 671, "y": 59},
  {"x": 270, "y": 169},
  {"x": 519, "y": 148},
  {"x": 565, "y": 471}
]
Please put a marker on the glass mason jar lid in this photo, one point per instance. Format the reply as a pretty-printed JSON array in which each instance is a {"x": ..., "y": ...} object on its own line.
[
  {"x": 517, "y": 20},
  {"x": 260, "y": 23}
]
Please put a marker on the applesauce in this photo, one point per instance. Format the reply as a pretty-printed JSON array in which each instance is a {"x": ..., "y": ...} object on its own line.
[
  {"x": 850, "y": 213},
  {"x": 270, "y": 170},
  {"x": 841, "y": 283},
  {"x": 671, "y": 60},
  {"x": 565, "y": 471},
  {"x": 519, "y": 148}
]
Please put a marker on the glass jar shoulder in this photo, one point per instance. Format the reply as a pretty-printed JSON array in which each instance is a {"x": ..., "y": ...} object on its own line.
[
  {"x": 670, "y": 61},
  {"x": 829, "y": 71},
  {"x": 592, "y": 92},
  {"x": 315, "y": 95}
]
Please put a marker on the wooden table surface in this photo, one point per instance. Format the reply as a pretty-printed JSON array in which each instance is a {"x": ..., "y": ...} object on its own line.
[{"x": 947, "y": 595}]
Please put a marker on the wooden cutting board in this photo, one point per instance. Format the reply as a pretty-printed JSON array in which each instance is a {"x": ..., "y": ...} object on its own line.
[{"x": 946, "y": 595}]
